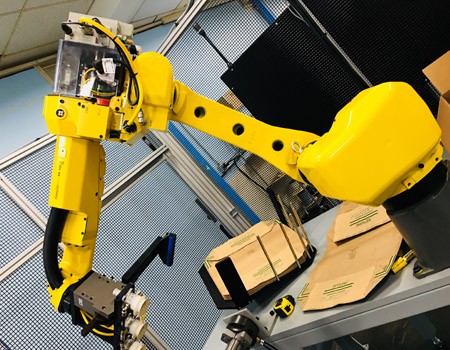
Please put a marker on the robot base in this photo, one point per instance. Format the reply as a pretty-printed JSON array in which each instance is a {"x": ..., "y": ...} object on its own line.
[{"x": 422, "y": 217}]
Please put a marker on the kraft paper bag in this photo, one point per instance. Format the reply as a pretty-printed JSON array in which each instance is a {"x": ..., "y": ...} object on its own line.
[
  {"x": 250, "y": 259},
  {"x": 349, "y": 270}
]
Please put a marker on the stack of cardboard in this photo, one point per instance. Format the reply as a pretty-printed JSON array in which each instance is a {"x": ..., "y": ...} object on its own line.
[
  {"x": 361, "y": 247},
  {"x": 261, "y": 255}
]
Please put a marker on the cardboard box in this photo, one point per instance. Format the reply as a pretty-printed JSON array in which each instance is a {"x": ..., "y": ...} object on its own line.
[
  {"x": 250, "y": 259},
  {"x": 438, "y": 73}
]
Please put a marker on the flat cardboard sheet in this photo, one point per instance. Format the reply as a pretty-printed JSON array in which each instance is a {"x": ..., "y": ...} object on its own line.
[
  {"x": 358, "y": 220},
  {"x": 350, "y": 270},
  {"x": 250, "y": 260}
]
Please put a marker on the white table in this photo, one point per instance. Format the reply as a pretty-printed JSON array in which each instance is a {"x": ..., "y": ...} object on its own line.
[{"x": 401, "y": 296}]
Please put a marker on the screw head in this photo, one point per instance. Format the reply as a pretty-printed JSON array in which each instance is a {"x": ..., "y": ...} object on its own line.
[{"x": 60, "y": 113}]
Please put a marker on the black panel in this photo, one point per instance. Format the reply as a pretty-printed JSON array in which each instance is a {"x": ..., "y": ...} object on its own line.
[
  {"x": 389, "y": 39},
  {"x": 288, "y": 78}
]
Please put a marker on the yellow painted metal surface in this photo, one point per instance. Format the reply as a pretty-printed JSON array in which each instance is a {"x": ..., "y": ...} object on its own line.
[
  {"x": 158, "y": 88},
  {"x": 77, "y": 176},
  {"x": 381, "y": 143},
  {"x": 76, "y": 117},
  {"x": 276, "y": 145},
  {"x": 77, "y": 185},
  {"x": 56, "y": 295}
]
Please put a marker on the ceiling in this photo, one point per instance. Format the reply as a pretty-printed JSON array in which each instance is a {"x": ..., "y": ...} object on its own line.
[{"x": 30, "y": 29}]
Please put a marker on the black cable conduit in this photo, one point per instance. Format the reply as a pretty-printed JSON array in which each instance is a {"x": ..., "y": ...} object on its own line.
[{"x": 52, "y": 237}]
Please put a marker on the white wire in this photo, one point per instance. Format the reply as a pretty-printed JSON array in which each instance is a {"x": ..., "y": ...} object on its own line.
[{"x": 294, "y": 12}]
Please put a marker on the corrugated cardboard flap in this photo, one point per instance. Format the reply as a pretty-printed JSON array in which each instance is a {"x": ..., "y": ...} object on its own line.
[
  {"x": 233, "y": 245},
  {"x": 438, "y": 73},
  {"x": 358, "y": 220}
]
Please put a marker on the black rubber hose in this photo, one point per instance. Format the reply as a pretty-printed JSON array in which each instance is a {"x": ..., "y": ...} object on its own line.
[{"x": 52, "y": 236}]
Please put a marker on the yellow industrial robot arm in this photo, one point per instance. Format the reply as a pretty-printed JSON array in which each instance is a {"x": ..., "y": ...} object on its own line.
[
  {"x": 375, "y": 150},
  {"x": 381, "y": 143}
]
